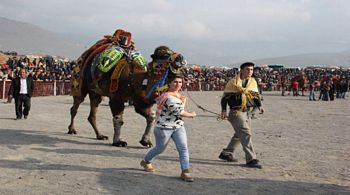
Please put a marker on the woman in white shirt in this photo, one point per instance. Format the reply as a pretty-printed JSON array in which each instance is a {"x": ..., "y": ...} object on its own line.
[{"x": 169, "y": 124}]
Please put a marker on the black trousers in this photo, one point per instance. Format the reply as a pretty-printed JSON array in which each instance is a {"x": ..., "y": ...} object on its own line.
[{"x": 22, "y": 104}]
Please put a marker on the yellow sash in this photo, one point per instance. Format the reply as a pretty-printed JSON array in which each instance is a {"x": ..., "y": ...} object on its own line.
[{"x": 235, "y": 86}]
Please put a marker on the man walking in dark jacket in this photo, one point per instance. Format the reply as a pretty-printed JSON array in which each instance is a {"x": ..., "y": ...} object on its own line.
[{"x": 22, "y": 88}]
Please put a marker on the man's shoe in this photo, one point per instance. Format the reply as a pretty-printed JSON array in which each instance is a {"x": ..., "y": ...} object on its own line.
[
  {"x": 254, "y": 164},
  {"x": 147, "y": 166},
  {"x": 187, "y": 176},
  {"x": 227, "y": 157},
  {"x": 18, "y": 118},
  {"x": 25, "y": 116}
]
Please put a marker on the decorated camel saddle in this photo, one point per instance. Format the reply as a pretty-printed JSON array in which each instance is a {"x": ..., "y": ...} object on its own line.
[{"x": 107, "y": 58}]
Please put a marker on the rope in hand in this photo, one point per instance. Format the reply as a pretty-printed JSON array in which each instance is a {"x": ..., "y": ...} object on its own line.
[{"x": 202, "y": 108}]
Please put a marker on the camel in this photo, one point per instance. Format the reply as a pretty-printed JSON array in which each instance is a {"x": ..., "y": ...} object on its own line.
[{"x": 131, "y": 86}]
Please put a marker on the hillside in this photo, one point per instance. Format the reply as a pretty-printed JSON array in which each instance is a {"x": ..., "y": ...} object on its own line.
[{"x": 28, "y": 39}]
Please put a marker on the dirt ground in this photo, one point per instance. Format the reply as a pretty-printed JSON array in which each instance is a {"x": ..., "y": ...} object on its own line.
[{"x": 303, "y": 145}]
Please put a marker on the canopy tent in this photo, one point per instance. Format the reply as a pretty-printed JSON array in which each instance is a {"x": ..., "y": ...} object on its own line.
[
  {"x": 276, "y": 66},
  {"x": 332, "y": 67},
  {"x": 226, "y": 68},
  {"x": 263, "y": 66}
]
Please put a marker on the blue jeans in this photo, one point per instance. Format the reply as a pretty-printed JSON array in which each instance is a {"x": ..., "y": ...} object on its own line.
[
  {"x": 162, "y": 139},
  {"x": 312, "y": 95},
  {"x": 342, "y": 94}
]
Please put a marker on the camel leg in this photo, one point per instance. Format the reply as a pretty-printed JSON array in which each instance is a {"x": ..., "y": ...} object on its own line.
[
  {"x": 117, "y": 108},
  {"x": 146, "y": 138},
  {"x": 74, "y": 110},
  {"x": 95, "y": 100}
]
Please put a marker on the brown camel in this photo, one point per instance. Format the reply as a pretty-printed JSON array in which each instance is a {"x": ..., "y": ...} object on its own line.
[{"x": 132, "y": 87}]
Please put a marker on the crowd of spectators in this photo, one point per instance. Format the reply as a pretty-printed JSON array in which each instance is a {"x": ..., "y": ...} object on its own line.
[
  {"x": 204, "y": 78},
  {"x": 199, "y": 78},
  {"x": 41, "y": 68},
  {"x": 271, "y": 79}
]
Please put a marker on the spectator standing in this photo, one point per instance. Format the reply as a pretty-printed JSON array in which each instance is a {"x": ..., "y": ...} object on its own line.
[
  {"x": 42, "y": 76},
  {"x": 312, "y": 91},
  {"x": 343, "y": 87},
  {"x": 324, "y": 94},
  {"x": 295, "y": 88},
  {"x": 283, "y": 84},
  {"x": 22, "y": 88},
  {"x": 331, "y": 90}
]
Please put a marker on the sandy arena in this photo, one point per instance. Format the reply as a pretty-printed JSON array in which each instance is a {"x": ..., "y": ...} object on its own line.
[{"x": 303, "y": 145}]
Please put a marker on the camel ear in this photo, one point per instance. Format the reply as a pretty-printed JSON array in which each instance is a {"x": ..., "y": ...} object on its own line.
[{"x": 178, "y": 60}]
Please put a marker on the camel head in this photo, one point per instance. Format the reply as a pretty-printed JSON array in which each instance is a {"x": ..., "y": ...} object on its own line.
[{"x": 174, "y": 60}]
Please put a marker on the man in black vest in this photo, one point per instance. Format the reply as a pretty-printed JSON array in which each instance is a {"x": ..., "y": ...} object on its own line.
[
  {"x": 22, "y": 88},
  {"x": 241, "y": 94}
]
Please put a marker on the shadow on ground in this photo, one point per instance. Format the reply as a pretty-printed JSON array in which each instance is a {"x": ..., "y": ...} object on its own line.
[
  {"x": 15, "y": 137},
  {"x": 136, "y": 181}
]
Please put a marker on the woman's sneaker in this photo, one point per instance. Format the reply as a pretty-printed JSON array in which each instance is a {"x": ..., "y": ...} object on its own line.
[
  {"x": 147, "y": 166},
  {"x": 187, "y": 176}
]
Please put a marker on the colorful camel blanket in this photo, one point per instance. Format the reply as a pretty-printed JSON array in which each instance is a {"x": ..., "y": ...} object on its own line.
[
  {"x": 104, "y": 58},
  {"x": 113, "y": 87},
  {"x": 109, "y": 58},
  {"x": 75, "y": 81}
]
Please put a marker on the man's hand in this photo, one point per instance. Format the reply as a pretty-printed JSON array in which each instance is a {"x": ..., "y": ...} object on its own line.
[
  {"x": 223, "y": 115},
  {"x": 262, "y": 110}
]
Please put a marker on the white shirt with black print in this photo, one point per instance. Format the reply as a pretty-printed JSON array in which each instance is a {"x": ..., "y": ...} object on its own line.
[{"x": 169, "y": 117}]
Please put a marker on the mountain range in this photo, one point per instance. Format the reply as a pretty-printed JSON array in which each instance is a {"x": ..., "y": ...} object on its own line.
[
  {"x": 26, "y": 38},
  {"x": 311, "y": 59}
]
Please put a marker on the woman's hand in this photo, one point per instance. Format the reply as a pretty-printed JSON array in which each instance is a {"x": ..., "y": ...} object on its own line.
[
  {"x": 193, "y": 114},
  {"x": 188, "y": 114}
]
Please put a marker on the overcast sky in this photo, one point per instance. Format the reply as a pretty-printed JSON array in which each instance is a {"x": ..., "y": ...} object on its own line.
[{"x": 207, "y": 32}]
